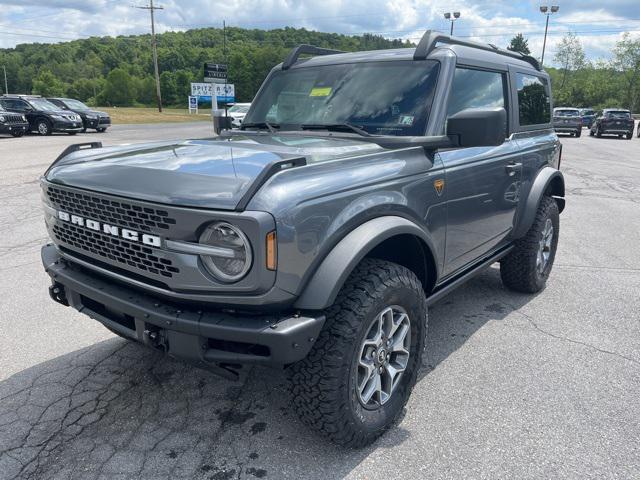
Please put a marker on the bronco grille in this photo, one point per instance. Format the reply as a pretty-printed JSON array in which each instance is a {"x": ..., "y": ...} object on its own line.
[
  {"x": 110, "y": 211},
  {"x": 115, "y": 249}
]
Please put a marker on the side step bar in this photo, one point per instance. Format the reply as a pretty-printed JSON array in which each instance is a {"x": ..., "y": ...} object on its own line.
[{"x": 447, "y": 287}]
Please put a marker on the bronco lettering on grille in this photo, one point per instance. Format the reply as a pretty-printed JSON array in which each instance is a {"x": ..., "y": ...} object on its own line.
[{"x": 113, "y": 230}]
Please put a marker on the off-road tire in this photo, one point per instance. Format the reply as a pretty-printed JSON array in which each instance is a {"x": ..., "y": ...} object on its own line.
[
  {"x": 518, "y": 269},
  {"x": 323, "y": 384},
  {"x": 17, "y": 134},
  {"x": 598, "y": 132},
  {"x": 629, "y": 135},
  {"x": 578, "y": 133}
]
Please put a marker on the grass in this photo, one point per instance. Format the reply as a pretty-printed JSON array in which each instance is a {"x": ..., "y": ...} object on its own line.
[{"x": 123, "y": 115}]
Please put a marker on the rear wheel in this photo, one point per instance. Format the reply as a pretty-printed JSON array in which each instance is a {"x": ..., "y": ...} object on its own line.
[
  {"x": 598, "y": 131},
  {"x": 578, "y": 133},
  {"x": 527, "y": 267},
  {"x": 354, "y": 383}
]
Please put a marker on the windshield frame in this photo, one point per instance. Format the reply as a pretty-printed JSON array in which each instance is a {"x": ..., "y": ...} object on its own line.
[{"x": 432, "y": 67}]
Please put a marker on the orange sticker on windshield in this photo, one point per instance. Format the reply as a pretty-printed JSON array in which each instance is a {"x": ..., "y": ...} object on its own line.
[{"x": 320, "y": 92}]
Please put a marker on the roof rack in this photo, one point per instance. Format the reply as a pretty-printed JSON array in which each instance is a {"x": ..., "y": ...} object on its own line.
[
  {"x": 431, "y": 38},
  {"x": 309, "y": 49}
]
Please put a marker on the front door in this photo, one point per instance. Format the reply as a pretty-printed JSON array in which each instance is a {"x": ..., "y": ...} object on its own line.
[{"x": 482, "y": 183}]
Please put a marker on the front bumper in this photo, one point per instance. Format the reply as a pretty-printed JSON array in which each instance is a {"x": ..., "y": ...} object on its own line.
[
  {"x": 97, "y": 123},
  {"x": 59, "y": 126},
  {"x": 13, "y": 127},
  {"x": 183, "y": 331}
]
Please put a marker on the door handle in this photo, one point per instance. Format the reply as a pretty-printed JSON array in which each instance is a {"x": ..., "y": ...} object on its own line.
[{"x": 512, "y": 168}]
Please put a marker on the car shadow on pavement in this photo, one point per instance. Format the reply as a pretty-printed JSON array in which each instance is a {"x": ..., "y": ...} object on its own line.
[{"x": 119, "y": 410}]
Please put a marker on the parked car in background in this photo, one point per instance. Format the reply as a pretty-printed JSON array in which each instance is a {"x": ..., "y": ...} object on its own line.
[
  {"x": 237, "y": 113},
  {"x": 43, "y": 116},
  {"x": 95, "y": 119},
  {"x": 588, "y": 117},
  {"x": 13, "y": 123},
  {"x": 613, "y": 121},
  {"x": 567, "y": 120}
]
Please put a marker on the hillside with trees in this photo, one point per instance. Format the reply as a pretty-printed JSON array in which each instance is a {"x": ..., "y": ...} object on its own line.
[{"x": 118, "y": 71}]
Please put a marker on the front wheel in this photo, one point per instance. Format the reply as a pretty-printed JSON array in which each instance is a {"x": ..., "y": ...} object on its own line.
[
  {"x": 629, "y": 135},
  {"x": 357, "y": 378},
  {"x": 17, "y": 134},
  {"x": 43, "y": 127},
  {"x": 527, "y": 267}
]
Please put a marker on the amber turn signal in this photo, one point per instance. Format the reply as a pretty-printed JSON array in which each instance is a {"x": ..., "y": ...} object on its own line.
[{"x": 272, "y": 251}]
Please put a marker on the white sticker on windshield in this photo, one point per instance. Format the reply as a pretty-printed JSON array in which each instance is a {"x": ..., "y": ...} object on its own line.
[{"x": 406, "y": 120}]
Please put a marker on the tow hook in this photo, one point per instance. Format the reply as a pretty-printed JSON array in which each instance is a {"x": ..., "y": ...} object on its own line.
[
  {"x": 155, "y": 339},
  {"x": 57, "y": 293}
]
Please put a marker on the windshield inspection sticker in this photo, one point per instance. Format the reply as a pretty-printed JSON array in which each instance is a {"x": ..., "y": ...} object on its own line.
[
  {"x": 320, "y": 92},
  {"x": 406, "y": 120}
]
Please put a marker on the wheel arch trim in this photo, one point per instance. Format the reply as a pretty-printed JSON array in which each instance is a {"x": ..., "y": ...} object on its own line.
[
  {"x": 549, "y": 180},
  {"x": 326, "y": 282}
]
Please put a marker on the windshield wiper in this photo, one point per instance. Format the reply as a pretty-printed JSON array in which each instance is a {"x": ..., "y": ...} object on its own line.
[
  {"x": 269, "y": 126},
  {"x": 339, "y": 127}
]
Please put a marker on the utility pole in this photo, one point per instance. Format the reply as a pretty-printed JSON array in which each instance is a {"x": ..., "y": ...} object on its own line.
[
  {"x": 6, "y": 85},
  {"x": 545, "y": 10},
  {"x": 154, "y": 46}
]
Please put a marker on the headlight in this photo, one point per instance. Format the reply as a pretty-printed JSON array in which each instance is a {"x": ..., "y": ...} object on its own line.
[
  {"x": 2, "y": 119},
  {"x": 234, "y": 258},
  {"x": 24, "y": 119}
]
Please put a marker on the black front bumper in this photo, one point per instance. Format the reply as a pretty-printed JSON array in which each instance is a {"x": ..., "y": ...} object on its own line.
[
  {"x": 183, "y": 331},
  {"x": 13, "y": 127}
]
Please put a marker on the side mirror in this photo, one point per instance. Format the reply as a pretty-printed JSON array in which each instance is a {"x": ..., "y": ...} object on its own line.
[
  {"x": 478, "y": 127},
  {"x": 220, "y": 121}
]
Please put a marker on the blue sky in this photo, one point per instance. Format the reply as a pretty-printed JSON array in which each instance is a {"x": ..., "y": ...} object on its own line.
[{"x": 597, "y": 24}]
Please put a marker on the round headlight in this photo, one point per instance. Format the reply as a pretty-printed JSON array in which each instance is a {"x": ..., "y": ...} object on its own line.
[{"x": 234, "y": 258}]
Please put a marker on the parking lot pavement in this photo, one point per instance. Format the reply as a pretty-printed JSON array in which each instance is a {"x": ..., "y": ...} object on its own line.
[{"x": 513, "y": 386}]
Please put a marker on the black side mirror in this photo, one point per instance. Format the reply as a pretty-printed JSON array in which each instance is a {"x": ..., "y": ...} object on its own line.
[{"x": 478, "y": 127}]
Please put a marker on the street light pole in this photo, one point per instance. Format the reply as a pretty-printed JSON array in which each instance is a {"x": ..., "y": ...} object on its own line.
[
  {"x": 452, "y": 17},
  {"x": 548, "y": 11}
]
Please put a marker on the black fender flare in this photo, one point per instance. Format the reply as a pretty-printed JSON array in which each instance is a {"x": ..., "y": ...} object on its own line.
[
  {"x": 322, "y": 290},
  {"x": 549, "y": 180}
]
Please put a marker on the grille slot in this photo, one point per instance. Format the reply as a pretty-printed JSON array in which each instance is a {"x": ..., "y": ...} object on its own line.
[
  {"x": 113, "y": 212},
  {"x": 12, "y": 119},
  {"x": 115, "y": 249}
]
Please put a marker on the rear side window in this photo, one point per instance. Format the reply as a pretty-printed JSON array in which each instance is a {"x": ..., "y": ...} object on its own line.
[
  {"x": 534, "y": 103},
  {"x": 476, "y": 89}
]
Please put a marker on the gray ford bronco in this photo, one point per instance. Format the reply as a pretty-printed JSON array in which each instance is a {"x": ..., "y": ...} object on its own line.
[{"x": 361, "y": 188}]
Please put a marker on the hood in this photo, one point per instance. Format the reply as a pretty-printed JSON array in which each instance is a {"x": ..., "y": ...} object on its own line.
[{"x": 213, "y": 174}]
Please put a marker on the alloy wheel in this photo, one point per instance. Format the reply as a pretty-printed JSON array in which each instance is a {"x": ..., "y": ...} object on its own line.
[
  {"x": 383, "y": 357},
  {"x": 544, "y": 249}
]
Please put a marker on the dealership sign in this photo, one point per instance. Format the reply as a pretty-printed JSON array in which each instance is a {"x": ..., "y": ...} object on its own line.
[
  {"x": 225, "y": 93},
  {"x": 215, "y": 72}
]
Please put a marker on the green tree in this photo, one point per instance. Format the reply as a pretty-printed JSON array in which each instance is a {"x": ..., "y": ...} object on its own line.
[
  {"x": 119, "y": 89},
  {"x": 519, "y": 44},
  {"x": 627, "y": 61},
  {"x": 48, "y": 85}
]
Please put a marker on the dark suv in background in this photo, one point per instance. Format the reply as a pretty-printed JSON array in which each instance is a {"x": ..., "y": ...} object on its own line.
[
  {"x": 99, "y": 121},
  {"x": 13, "y": 123},
  {"x": 567, "y": 120},
  {"x": 613, "y": 121},
  {"x": 43, "y": 116},
  {"x": 588, "y": 116}
]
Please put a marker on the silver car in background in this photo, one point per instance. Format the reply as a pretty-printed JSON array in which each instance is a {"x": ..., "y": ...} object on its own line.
[{"x": 237, "y": 113}]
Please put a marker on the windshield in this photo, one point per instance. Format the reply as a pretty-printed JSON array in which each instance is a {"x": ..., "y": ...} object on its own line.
[
  {"x": 384, "y": 98},
  {"x": 622, "y": 114},
  {"x": 239, "y": 109},
  {"x": 42, "y": 104},
  {"x": 75, "y": 105},
  {"x": 567, "y": 113}
]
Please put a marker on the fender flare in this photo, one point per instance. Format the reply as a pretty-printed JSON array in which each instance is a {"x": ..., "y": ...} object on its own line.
[
  {"x": 322, "y": 290},
  {"x": 548, "y": 177}
]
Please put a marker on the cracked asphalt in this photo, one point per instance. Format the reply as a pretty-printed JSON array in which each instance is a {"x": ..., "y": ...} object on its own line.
[{"x": 513, "y": 386}]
